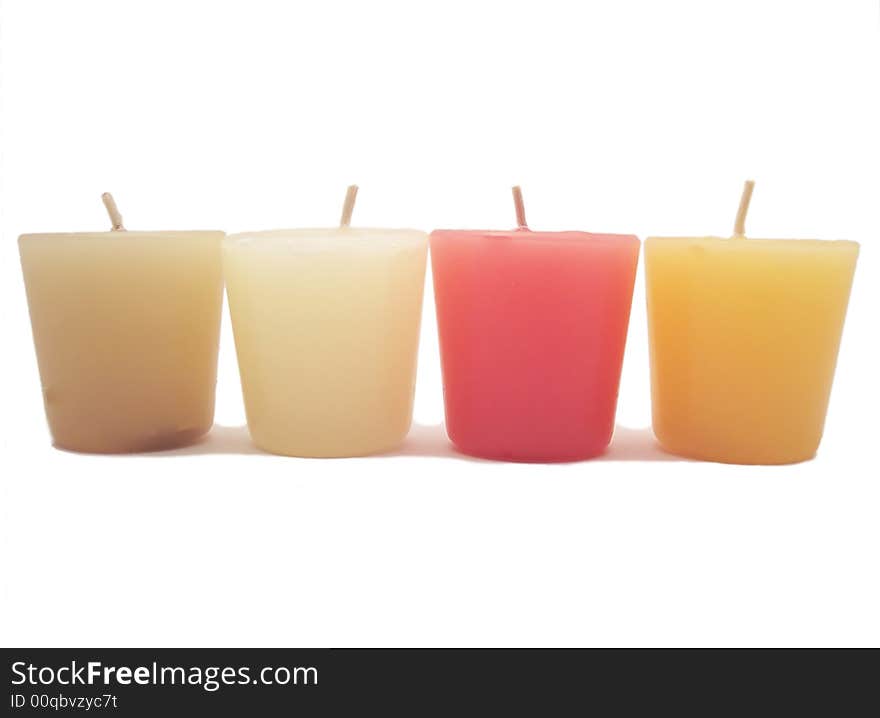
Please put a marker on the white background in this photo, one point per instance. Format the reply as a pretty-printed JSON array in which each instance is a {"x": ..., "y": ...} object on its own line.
[{"x": 636, "y": 117}]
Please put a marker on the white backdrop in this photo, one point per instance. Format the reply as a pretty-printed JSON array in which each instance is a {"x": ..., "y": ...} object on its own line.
[{"x": 633, "y": 117}]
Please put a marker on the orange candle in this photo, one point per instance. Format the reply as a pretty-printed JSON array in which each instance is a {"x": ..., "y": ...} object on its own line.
[{"x": 744, "y": 337}]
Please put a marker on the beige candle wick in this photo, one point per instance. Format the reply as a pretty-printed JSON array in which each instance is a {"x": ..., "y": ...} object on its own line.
[
  {"x": 348, "y": 205},
  {"x": 520, "y": 208},
  {"x": 113, "y": 211},
  {"x": 739, "y": 225}
]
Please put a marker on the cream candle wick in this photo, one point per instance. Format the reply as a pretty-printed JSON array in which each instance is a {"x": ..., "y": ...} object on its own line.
[
  {"x": 739, "y": 225},
  {"x": 113, "y": 211},
  {"x": 520, "y": 208},
  {"x": 348, "y": 205}
]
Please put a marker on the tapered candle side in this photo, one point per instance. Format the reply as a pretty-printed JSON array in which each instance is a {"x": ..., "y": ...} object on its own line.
[
  {"x": 126, "y": 329},
  {"x": 326, "y": 326},
  {"x": 744, "y": 337},
  {"x": 532, "y": 330}
]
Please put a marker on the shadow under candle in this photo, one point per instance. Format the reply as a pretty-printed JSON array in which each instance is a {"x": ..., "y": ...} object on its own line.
[
  {"x": 628, "y": 444},
  {"x": 424, "y": 440},
  {"x": 218, "y": 441}
]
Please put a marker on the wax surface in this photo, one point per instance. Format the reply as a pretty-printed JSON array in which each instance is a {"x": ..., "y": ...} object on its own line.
[
  {"x": 744, "y": 337},
  {"x": 126, "y": 327},
  {"x": 532, "y": 332},
  {"x": 326, "y": 327}
]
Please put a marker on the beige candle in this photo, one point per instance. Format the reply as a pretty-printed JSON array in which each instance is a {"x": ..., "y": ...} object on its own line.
[
  {"x": 126, "y": 328},
  {"x": 326, "y": 325}
]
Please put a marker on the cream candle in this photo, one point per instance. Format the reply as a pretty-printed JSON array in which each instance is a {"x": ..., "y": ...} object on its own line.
[
  {"x": 744, "y": 337},
  {"x": 126, "y": 328},
  {"x": 326, "y": 325}
]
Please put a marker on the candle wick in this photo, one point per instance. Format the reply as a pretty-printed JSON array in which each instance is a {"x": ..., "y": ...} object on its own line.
[
  {"x": 520, "y": 208},
  {"x": 348, "y": 205},
  {"x": 739, "y": 225},
  {"x": 113, "y": 211}
]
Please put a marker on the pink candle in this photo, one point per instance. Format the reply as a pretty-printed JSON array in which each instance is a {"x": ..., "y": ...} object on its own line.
[{"x": 532, "y": 332}]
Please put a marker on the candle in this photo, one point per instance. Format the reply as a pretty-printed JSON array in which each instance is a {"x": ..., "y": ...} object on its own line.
[
  {"x": 744, "y": 337},
  {"x": 532, "y": 332},
  {"x": 326, "y": 325},
  {"x": 126, "y": 327}
]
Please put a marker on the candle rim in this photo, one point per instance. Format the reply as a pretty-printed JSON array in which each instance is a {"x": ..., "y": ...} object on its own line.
[
  {"x": 347, "y": 232},
  {"x": 120, "y": 235},
  {"x": 538, "y": 235},
  {"x": 759, "y": 242}
]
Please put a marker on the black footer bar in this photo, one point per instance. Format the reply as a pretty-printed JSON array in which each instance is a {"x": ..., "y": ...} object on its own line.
[{"x": 544, "y": 682}]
